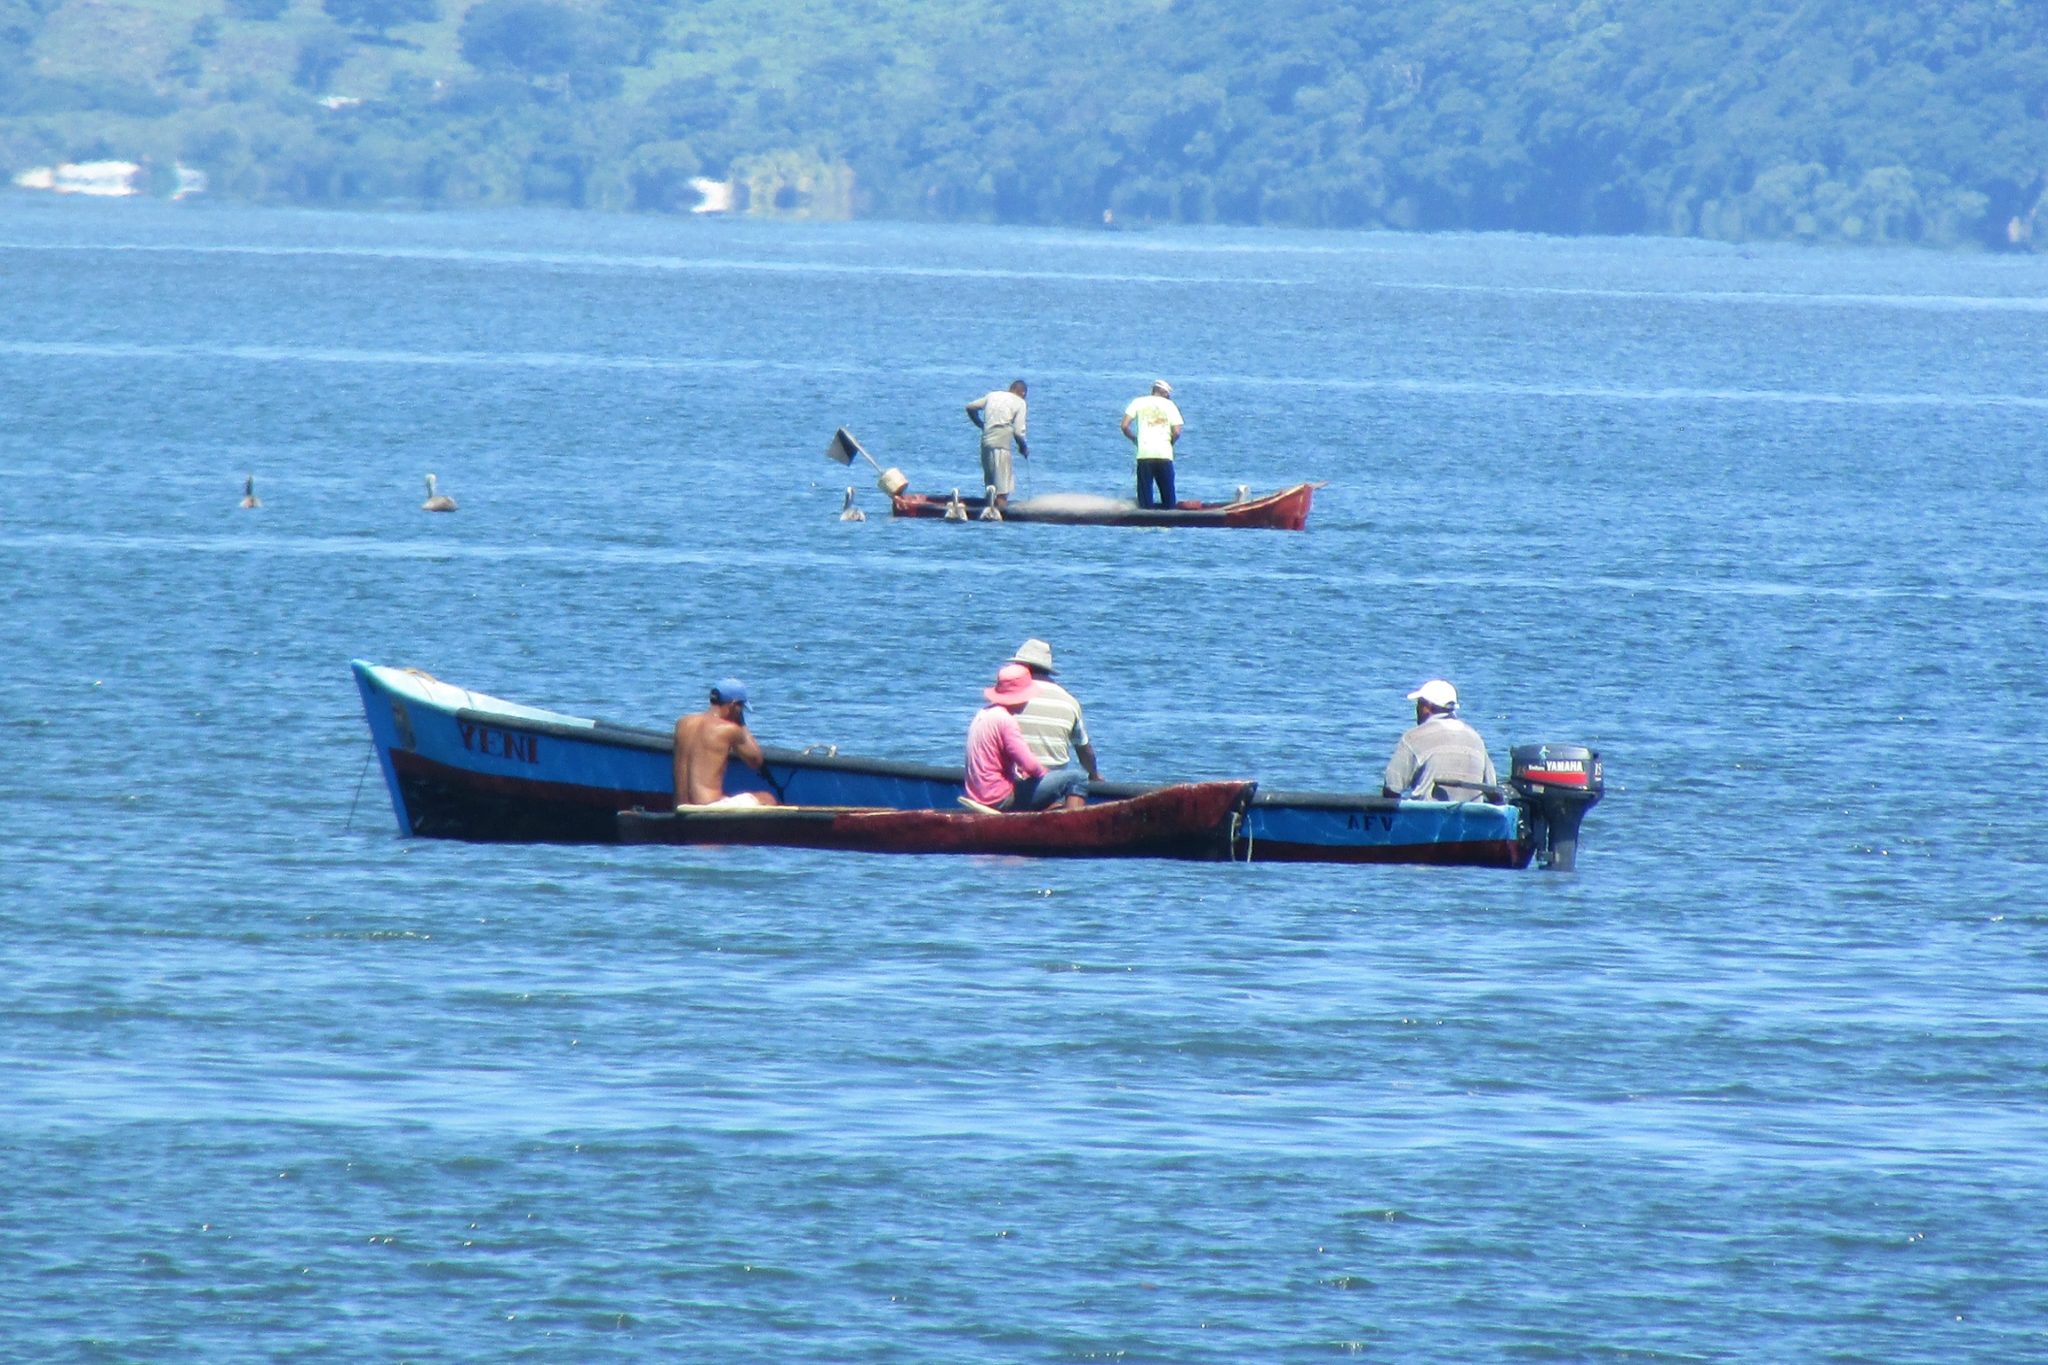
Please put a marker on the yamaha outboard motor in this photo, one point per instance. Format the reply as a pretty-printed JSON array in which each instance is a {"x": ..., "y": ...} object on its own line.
[{"x": 1559, "y": 783}]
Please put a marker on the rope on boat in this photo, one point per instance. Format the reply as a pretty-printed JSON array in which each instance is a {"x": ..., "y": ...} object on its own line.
[{"x": 359, "y": 788}]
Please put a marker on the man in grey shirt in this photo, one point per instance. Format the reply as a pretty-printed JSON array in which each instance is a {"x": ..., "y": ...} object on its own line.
[
  {"x": 1001, "y": 417},
  {"x": 1442, "y": 758}
]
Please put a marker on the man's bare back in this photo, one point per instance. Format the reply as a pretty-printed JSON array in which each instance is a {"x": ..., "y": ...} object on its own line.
[{"x": 704, "y": 742}]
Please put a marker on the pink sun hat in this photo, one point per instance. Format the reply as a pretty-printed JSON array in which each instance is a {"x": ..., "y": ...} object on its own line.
[{"x": 1013, "y": 686}]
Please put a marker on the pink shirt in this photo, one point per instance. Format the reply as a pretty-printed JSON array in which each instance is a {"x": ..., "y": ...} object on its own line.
[{"x": 997, "y": 756}]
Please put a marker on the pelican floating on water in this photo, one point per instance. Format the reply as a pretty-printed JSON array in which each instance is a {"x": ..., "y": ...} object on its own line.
[
  {"x": 850, "y": 512},
  {"x": 956, "y": 510},
  {"x": 989, "y": 510},
  {"x": 437, "y": 501},
  {"x": 249, "y": 498}
]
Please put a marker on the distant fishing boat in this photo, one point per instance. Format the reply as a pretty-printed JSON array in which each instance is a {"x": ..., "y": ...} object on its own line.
[
  {"x": 460, "y": 764},
  {"x": 1284, "y": 510}
]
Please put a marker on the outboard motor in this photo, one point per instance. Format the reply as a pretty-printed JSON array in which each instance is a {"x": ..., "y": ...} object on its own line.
[{"x": 1559, "y": 783}]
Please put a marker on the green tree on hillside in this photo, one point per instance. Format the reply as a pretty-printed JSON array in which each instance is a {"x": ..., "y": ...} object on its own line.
[
  {"x": 21, "y": 21},
  {"x": 526, "y": 37},
  {"x": 380, "y": 16},
  {"x": 550, "y": 44},
  {"x": 320, "y": 57},
  {"x": 257, "y": 11}
]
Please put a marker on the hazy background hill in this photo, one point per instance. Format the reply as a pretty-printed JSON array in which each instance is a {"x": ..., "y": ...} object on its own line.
[{"x": 1851, "y": 119}]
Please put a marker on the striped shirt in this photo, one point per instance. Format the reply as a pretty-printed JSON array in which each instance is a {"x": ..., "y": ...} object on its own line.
[
  {"x": 1442, "y": 759},
  {"x": 1051, "y": 722}
]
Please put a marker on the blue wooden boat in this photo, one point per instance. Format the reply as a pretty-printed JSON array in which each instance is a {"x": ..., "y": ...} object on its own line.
[{"x": 461, "y": 764}]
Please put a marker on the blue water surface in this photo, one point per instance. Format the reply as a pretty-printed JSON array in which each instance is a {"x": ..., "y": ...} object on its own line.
[{"x": 1764, "y": 1079}]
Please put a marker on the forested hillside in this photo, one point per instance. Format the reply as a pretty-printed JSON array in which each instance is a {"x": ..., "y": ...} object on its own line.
[{"x": 1865, "y": 120}]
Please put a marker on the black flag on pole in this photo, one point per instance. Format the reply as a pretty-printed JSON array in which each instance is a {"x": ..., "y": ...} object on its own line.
[{"x": 844, "y": 448}]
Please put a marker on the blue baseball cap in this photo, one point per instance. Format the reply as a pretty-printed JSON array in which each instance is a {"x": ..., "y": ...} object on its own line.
[{"x": 729, "y": 690}]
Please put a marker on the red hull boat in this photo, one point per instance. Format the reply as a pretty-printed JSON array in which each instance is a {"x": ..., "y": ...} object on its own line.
[
  {"x": 1286, "y": 510},
  {"x": 1195, "y": 820}
]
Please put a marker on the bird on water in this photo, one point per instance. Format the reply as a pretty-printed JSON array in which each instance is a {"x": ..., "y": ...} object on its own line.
[
  {"x": 249, "y": 498},
  {"x": 850, "y": 512},
  {"x": 437, "y": 501}
]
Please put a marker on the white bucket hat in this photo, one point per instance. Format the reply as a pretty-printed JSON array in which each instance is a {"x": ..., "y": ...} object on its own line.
[{"x": 1036, "y": 654}]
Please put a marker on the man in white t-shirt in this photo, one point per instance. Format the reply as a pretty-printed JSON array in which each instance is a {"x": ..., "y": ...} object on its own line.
[
  {"x": 1158, "y": 426},
  {"x": 1000, "y": 415}
]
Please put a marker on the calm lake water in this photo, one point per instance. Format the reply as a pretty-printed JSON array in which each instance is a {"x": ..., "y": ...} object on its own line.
[{"x": 1765, "y": 1079}]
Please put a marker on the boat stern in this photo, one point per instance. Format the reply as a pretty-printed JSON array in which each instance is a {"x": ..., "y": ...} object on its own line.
[
  {"x": 1330, "y": 827},
  {"x": 1558, "y": 783}
]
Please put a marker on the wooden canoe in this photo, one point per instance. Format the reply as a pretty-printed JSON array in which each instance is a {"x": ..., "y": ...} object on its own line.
[
  {"x": 1285, "y": 510},
  {"x": 1194, "y": 820}
]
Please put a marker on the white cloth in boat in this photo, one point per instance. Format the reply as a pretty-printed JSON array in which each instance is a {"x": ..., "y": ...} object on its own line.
[{"x": 735, "y": 801}]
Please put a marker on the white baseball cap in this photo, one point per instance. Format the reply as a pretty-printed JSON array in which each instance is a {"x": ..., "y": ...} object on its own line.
[{"x": 1437, "y": 693}]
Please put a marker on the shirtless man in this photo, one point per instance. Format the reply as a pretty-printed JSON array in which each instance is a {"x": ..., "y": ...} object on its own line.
[{"x": 706, "y": 740}]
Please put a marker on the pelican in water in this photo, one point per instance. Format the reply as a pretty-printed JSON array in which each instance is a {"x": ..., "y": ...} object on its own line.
[
  {"x": 437, "y": 501},
  {"x": 1244, "y": 492},
  {"x": 956, "y": 510},
  {"x": 850, "y": 512},
  {"x": 249, "y": 498},
  {"x": 989, "y": 511}
]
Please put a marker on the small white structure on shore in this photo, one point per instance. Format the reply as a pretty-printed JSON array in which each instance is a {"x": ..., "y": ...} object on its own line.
[
  {"x": 103, "y": 179},
  {"x": 713, "y": 196},
  {"x": 107, "y": 179}
]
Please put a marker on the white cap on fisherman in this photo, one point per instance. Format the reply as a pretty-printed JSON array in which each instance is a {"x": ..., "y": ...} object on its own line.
[{"x": 1437, "y": 693}]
